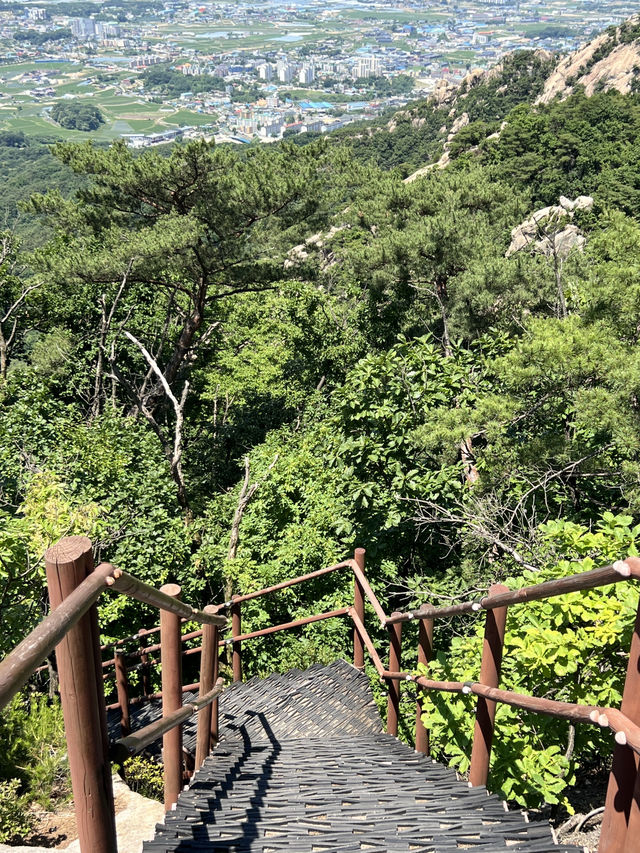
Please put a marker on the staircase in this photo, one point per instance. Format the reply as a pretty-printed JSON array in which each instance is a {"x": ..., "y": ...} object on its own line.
[{"x": 302, "y": 766}]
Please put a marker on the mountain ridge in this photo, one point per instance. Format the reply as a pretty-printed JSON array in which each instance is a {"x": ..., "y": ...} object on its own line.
[{"x": 481, "y": 102}]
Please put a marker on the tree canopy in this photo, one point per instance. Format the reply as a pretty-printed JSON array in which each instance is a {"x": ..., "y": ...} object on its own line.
[{"x": 372, "y": 354}]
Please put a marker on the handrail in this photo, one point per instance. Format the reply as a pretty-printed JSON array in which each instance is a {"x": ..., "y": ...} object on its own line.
[
  {"x": 366, "y": 639},
  {"x": 238, "y": 599},
  {"x": 577, "y": 713},
  {"x": 617, "y": 834},
  {"x": 135, "y": 743},
  {"x": 619, "y": 571},
  {"x": 128, "y": 585},
  {"x": 274, "y": 629},
  {"x": 75, "y": 612},
  {"x": 18, "y": 666},
  {"x": 369, "y": 592}
]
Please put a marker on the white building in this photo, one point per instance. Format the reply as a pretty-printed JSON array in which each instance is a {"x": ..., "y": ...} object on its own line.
[
  {"x": 105, "y": 30},
  {"x": 83, "y": 28},
  {"x": 271, "y": 128},
  {"x": 265, "y": 71},
  {"x": 306, "y": 74},
  {"x": 284, "y": 71},
  {"x": 367, "y": 66}
]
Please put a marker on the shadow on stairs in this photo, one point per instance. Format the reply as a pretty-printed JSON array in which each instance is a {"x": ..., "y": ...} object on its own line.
[{"x": 303, "y": 766}]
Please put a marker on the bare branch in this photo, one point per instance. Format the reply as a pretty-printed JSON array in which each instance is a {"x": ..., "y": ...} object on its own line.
[
  {"x": 246, "y": 493},
  {"x": 173, "y": 454}
]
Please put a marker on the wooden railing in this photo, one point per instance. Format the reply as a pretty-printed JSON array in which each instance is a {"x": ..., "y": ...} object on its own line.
[
  {"x": 621, "y": 821},
  {"x": 72, "y": 628}
]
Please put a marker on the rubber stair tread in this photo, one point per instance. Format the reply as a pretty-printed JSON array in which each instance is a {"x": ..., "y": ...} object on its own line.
[{"x": 302, "y": 765}]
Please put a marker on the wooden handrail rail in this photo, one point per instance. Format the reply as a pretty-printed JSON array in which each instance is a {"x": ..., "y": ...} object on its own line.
[
  {"x": 132, "y": 744},
  {"x": 369, "y": 592},
  {"x": 626, "y": 731},
  {"x": 128, "y": 585},
  {"x": 366, "y": 639},
  {"x": 19, "y": 665},
  {"x": 238, "y": 599},
  {"x": 273, "y": 629},
  {"x": 620, "y": 571}
]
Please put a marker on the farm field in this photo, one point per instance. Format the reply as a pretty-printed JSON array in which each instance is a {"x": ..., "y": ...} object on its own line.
[
  {"x": 230, "y": 36},
  {"x": 123, "y": 112}
]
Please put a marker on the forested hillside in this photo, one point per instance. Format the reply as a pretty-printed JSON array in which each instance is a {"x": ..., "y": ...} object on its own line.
[{"x": 389, "y": 362}]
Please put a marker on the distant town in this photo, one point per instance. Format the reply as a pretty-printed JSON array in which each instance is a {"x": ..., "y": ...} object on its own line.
[{"x": 150, "y": 72}]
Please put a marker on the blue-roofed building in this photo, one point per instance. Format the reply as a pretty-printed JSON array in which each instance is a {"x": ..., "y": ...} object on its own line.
[{"x": 316, "y": 105}]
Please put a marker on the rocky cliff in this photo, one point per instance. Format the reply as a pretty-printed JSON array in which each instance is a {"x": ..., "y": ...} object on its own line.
[{"x": 610, "y": 61}]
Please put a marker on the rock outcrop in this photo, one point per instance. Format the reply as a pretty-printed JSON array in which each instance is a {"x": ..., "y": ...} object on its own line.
[
  {"x": 550, "y": 231},
  {"x": 443, "y": 162},
  {"x": 610, "y": 61},
  {"x": 315, "y": 244}
]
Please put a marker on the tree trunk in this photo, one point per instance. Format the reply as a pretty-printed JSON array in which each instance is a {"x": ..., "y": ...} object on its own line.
[
  {"x": 3, "y": 355},
  {"x": 467, "y": 455}
]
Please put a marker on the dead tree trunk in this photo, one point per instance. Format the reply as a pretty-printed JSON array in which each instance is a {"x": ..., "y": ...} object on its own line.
[{"x": 246, "y": 493}]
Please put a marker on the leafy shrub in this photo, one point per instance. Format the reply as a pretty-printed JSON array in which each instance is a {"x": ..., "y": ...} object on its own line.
[
  {"x": 566, "y": 648},
  {"x": 34, "y": 749},
  {"x": 15, "y": 819},
  {"x": 144, "y": 776}
]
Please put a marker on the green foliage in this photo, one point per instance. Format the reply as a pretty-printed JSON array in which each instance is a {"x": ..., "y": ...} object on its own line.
[
  {"x": 405, "y": 140},
  {"x": 13, "y": 139},
  {"x": 39, "y": 38},
  {"x": 166, "y": 81},
  {"x": 100, "y": 479},
  {"x": 34, "y": 751},
  {"x": 581, "y": 146},
  {"x": 75, "y": 115},
  {"x": 15, "y": 820},
  {"x": 565, "y": 648},
  {"x": 145, "y": 777},
  {"x": 26, "y": 166},
  {"x": 429, "y": 255},
  {"x": 413, "y": 137},
  {"x": 518, "y": 79}
]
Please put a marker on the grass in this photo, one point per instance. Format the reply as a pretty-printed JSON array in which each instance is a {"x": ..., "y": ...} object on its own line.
[
  {"x": 122, "y": 115},
  {"x": 400, "y": 17}
]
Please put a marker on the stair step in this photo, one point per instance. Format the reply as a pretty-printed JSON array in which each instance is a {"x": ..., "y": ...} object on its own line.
[{"x": 303, "y": 766}]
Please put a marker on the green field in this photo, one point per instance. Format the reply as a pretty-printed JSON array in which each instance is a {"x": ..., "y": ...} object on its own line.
[
  {"x": 207, "y": 38},
  {"x": 122, "y": 115},
  {"x": 419, "y": 15}
]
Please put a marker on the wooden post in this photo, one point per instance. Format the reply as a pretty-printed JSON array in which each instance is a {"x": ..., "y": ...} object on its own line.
[
  {"x": 621, "y": 810},
  {"x": 171, "y": 660},
  {"x": 358, "y": 606},
  {"x": 489, "y": 675},
  {"x": 208, "y": 676},
  {"x": 67, "y": 565},
  {"x": 122, "y": 688},
  {"x": 395, "y": 655},
  {"x": 236, "y": 630},
  {"x": 215, "y": 735},
  {"x": 145, "y": 673},
  {"x": 425, "y": 652}
]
